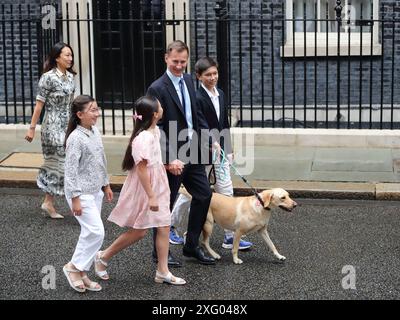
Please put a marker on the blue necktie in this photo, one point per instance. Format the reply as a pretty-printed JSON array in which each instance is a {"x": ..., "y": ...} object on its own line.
[
  {"x": 186, "y": 108},
  {"x": 182, "y": 88}
]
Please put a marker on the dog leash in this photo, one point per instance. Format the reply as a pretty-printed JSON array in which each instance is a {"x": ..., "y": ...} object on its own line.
[{"x": 223, "y": 158}]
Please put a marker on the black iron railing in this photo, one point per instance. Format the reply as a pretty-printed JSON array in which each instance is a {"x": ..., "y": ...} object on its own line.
[{"x": 324, "y": 71}]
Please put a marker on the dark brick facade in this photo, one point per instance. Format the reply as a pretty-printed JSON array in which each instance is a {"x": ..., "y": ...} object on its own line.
[
  {"x": 252, "y": 66},
  {"x": 19, "y": 60}
]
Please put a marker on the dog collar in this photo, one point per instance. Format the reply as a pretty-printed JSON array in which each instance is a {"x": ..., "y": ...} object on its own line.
[
  {"x": 265, "y": 208},
  {"x": 260, "y": 202},
  {"x": 259, "y": 198}
]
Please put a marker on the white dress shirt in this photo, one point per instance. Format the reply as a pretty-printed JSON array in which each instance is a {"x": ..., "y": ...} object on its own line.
[{"x": 214, "y": 98}]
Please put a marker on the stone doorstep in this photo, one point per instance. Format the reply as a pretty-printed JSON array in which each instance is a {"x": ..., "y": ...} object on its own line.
[
  {"x": 388, "y": 191},
  {"x": 18, "y": 179},
  {"x": 22, "y": 160},
  {"x": 297, "y": 189}
]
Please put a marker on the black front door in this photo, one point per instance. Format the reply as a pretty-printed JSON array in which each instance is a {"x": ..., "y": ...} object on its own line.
[{"x": 129, "y": 49}]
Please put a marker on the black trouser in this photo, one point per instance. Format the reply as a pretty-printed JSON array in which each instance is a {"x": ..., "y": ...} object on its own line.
[{"x": 195, "y": 181}]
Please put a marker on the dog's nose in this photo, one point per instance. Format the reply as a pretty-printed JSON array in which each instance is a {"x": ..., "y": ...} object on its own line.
[{"x": 294, "y": 204}]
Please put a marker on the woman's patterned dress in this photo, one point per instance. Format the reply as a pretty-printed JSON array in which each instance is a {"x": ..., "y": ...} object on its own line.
[{"x": 56, "y": 90}]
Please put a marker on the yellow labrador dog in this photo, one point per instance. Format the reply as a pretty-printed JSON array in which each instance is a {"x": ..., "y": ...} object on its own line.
[{"x": 245, "y": 215}]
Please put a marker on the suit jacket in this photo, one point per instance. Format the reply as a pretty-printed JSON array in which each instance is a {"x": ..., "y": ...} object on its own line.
[
  {"x": 174, "y": 121},
  {"x": 205, "y": 104}
]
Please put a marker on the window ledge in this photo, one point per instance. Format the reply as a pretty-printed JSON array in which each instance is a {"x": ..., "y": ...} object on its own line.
[{"x": 287, "y": 51}]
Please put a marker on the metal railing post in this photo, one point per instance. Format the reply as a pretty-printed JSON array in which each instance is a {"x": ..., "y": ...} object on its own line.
[
  {"x": 221, "y": 14},
  {"x": 338, "y": 10}
]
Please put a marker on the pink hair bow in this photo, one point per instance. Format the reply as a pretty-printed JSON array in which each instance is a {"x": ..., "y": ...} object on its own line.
[{"x": 137, "y": 116}]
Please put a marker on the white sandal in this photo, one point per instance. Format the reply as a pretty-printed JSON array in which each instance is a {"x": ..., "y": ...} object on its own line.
[
  {"x": 169, "y": 278},
  {"x": 102, "y": 274},
  {"x": 74, "y": 284},
  {"x": 93, "y": 286}
]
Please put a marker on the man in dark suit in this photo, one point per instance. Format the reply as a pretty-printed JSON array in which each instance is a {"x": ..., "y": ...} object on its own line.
[
  {"x": 211, "y": 101},
  {"x": 180, "y": 144}
]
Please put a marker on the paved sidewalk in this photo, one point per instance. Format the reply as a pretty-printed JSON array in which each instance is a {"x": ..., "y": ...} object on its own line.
[{"x": 305, "y": 171}]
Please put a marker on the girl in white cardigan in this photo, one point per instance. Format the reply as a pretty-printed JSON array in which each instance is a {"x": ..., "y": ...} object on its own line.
[{"x": 85, "y": 184}]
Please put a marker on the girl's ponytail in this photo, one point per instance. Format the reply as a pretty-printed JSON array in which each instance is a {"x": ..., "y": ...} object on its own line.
[
  {"x": 144, "y": 109},
  {"x": 72, "y": 124}
]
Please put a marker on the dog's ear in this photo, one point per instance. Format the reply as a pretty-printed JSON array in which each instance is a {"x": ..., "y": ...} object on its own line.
[{"x": 266, "y": 198}]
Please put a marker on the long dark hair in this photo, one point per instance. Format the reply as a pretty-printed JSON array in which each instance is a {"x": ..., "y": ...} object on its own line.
[
  {"x": 78, "y": 104},
  {"x": 55, "y": 52},
  {"x": 145, "y": 107}
]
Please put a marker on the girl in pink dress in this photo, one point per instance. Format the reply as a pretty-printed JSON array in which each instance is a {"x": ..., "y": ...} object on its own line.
[{"x": 144, "y": 199}]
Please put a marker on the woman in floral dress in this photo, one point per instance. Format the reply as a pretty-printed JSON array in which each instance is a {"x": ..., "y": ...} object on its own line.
[{"x": 55, "y": 93}]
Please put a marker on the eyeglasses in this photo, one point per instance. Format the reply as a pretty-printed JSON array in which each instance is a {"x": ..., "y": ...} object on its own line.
[{"x": 93, "y": 110}]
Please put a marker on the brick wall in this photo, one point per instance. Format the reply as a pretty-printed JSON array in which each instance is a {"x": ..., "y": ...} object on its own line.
[{"x": 251, "y": 78}]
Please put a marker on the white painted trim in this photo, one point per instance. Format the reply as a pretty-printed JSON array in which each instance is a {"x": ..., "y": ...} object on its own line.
[
  {"x": 83, "y": 45},
  {"x": 288, "y": 51},
  {"x": 178, "y": 6},
  {"x": 320, "y": 51},
  {"x": 352, "y": 138}
]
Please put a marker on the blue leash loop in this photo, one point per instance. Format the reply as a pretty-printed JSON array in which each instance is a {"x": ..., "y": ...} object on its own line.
[{"x": 224, "y": 173}]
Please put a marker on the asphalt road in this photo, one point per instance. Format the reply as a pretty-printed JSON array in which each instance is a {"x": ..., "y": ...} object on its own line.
[{"x": 328, "y": 244}]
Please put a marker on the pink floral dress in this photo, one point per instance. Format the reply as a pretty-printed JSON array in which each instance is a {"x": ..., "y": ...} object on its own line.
[{"x": 132, "y": 209}]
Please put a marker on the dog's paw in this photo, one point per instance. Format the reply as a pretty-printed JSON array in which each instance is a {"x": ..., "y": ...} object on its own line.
[
  {"x": 237, "y": 261},
  {"x": 280, "y": 257}
]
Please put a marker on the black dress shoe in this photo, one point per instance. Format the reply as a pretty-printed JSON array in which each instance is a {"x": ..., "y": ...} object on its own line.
[
  {"x": 172, "y": 262},
  {"x": 199, "y": 254}
]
